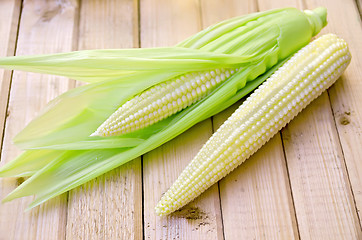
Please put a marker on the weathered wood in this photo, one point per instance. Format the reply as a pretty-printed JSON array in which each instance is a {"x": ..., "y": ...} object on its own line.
[
  {"x": 45, "y": 27},
  {"x": 9, "y": 20},
  {"x": 345, "y": 95},
  {"x": 109, "y": 206},
  {"x": 164, "y": 23},
  {"x": 321, "y": 192}
]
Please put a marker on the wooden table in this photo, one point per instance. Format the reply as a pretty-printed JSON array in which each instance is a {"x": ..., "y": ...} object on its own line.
[{"x": 305, "y": 183}]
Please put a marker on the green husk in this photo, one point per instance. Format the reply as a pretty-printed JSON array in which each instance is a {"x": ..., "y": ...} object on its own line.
[
  {"x": 253, "y": 43},
  {"x": 70, "y": 169},
  {"x": 111, "y": 64},
  {"x": 29, "y": 162}
]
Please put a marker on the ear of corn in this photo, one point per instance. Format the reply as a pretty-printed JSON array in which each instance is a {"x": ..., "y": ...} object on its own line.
[
  {"x": 252, "y": 44},
  {"x": 290, "y": 89},
  {"x": 162, "y": 101}
]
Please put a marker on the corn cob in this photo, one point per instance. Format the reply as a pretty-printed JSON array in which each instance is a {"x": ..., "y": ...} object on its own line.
[
  {"x": 290, "y": 89},
  {"x": 162, "y": 101}
]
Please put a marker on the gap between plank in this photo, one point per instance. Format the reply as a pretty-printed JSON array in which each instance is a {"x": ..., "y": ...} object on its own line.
[
  {"x": 137, "y": 44},
  {"x": 359, "y": 8},
  {"x": 10, "y": 80},
  {"x": 344, "y": 159},
  {"x": 221, "y": 214},
  {"x": 289, "y": 183},
  {"x": 72, "y": 84},
  {"x": 143, "y": 201},
  {"x": 137, "y": 26},
  {"x": 218, "y": 186},
  {"x": 75, "y": 44}
]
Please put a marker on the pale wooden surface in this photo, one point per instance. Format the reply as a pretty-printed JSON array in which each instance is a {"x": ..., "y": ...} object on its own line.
[{"x": 306, "y": 183}]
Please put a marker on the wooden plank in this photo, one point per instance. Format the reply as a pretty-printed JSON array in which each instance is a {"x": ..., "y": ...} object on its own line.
[
  {"x": 45, "y": 27},
  {"x": 322, "y": 196},
  {"x": 266, "y": 5},
  {"x": 110, "y": 206},
  {"x": 108, "y": 24},
  {"x": 345, "y": 95},
  {"x": 9, "y": 19},
  {"x": 164, "y": 23},
  {"x": 215, "y": 11},
  {"x": 255, "y": 198}
]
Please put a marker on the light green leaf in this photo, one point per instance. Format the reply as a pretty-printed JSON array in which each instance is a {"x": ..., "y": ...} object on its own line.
[
  {"x": 108, "y": 64},
  {"x": 27, "y": 163}
]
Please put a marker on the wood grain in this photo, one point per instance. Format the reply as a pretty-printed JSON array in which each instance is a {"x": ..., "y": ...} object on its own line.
[
  {"x": 322, "y": 197},
  {"x": 164, "y": 23},
  {"x": 265, "y": 4},
  {"x": 9, "y": 20},
  {"x": 45, "y": 27},
  {"x": 345, "y": 95},
  {"x": 108, "y": 207},
  {"x": 112, "y": 203}
]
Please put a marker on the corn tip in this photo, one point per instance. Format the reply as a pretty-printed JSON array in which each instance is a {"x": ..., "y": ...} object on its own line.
[
  {"x": 317, "y": 18},
  {"x": 95, "y": 134}
]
